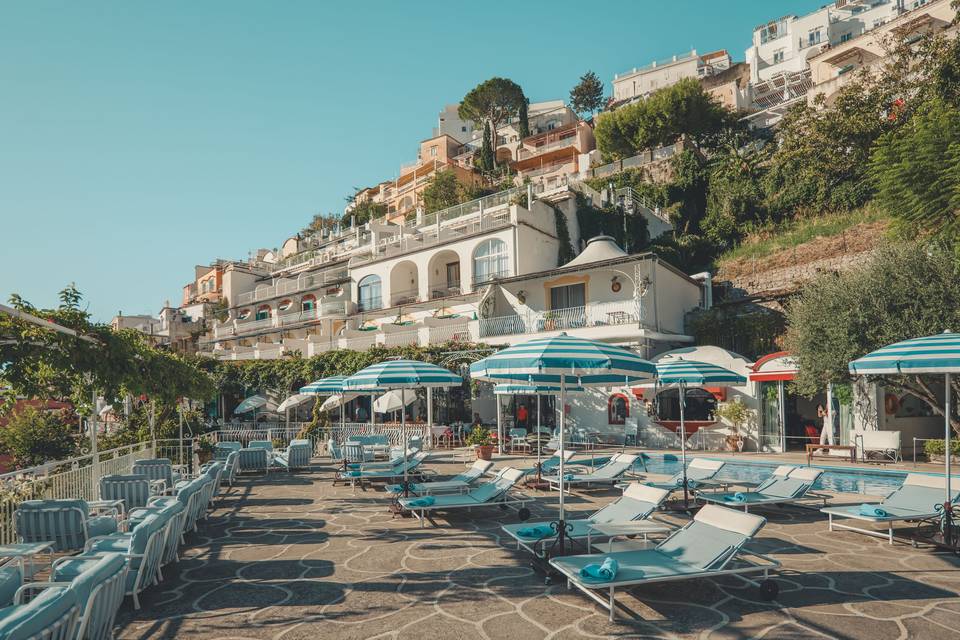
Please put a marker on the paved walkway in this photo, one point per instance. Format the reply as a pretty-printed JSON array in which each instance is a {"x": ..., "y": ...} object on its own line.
[{"x": 290, "y": 557}]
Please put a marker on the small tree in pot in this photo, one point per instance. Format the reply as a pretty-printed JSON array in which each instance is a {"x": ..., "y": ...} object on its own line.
[
  {"x": 738, "y": 415},
  {"x": 480, "y": 439}
]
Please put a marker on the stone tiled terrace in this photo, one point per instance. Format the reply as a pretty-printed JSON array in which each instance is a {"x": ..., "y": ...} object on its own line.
[{"x": 290, "y": 556}]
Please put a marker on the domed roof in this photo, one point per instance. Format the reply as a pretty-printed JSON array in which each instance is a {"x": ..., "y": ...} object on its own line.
[{"x": 598, "y": 248}]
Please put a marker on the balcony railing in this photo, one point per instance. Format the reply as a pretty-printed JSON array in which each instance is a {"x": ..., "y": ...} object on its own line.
[
  {"x": 450, "y": 333},
  {"x": 360, "y": 343},
  {"x": 405, "y": 296},
  {"x": 401, "y": 338},
  {"x": 591, "y": 315},
  {"x": 483, "y": 278},
  {"x": 451, "y": 288},
  {"x": 370, "y": 304}
]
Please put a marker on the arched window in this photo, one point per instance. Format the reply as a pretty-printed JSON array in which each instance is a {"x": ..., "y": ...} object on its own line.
[
  {"x": 368, "y": 294},
  {"x": 263, "y": 312},
  {"x": 284, "y": 305},
  {"x": 244, "y": 314},
  {"x": 308, "y": 302},
  {"x": 618, "y": 409},
  {"x": 490, "y": 261},
  {"x": 700, "y": 404}
]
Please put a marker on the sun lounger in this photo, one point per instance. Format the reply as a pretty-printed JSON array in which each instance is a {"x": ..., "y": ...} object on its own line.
[
  {"x": 711, "y": 545},
  {"x": 786, "y": 485},
  {"x": 637, "y": 503},
  {"x": 698, "y": 471},
  {"x": 915, "y": 499},
  {"x": 459, "y": 483},
  {"x": 495, "y": 492},
  {"x": 608, "y": 474},
  {"x": 550, "y": 465},
  {"x": 362, "y": 474}
]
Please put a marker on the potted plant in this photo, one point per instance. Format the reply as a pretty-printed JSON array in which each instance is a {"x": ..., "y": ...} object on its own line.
[
  {"x": 480, "y": 440},
  {"x": 738, "y": 415},
  {"x": 204, "y": 449}
]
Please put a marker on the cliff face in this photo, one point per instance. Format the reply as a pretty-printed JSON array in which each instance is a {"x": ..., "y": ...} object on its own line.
[{"x": 784, "y": 271}]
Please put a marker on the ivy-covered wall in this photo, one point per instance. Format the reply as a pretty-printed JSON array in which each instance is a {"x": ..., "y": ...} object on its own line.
[
  {"x": 608, "y": 221},
  {"x": 752, "y": 333}
]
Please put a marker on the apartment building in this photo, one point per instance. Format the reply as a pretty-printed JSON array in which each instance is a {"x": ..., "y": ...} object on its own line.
[
  {"x": 730, "y": 87},
  {"x": 404, "y": 195},
  {"x": 551, "y": 157},
  {"x": 781, "y": 50},
  {"x": 174, "y": 328},
  {"x": 834, "y": 66},
  {"x": 486, "y": 270},
  {"x": 641, "y": 82}
]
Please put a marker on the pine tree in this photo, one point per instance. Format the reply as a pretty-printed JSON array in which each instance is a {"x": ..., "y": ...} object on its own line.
[
  {"x": 524, "y": 120},
  {"x": 587, "y": 96},
  {"x": 487, "y": 158}
]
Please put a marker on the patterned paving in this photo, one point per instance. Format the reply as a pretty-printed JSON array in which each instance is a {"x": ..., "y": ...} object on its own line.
[{"x": 290, "y": 556}]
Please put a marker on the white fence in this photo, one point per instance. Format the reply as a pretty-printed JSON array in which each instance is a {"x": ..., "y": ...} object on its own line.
[{"x": 591, "y": 315}]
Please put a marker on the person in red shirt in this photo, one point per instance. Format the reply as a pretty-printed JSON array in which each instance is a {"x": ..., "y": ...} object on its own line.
[{"x": 522, "y": 416}]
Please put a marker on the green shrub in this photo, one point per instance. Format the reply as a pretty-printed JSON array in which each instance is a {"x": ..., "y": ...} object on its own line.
[
  {"x": 33, "y": 436},
  {"x": 936, "y": 447}
]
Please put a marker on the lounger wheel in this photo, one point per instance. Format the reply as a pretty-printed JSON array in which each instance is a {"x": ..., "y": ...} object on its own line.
[
  {"x": 769, "y": 590},
  {"x": 524, "y": 514}
]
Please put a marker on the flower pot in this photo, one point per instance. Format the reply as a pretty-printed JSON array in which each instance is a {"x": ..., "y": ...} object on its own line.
[
  {"x": 205, "y": 456},
  {"x": 485, "y": 452}
]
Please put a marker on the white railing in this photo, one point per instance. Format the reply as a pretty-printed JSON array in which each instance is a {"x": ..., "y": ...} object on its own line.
[
  {"x": 591, "y": 315},
  {"x": 450, "y": 333},
  {"x": 62, "y": 480},
  {"x": 333, "y": 308},
  {"x": 361, "y": 343},
  {"x": 392, "y": 431},
  {"x": 401, "y": 338}
]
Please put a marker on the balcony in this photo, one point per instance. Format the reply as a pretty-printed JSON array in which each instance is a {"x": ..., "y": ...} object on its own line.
[
  {"x": 603, "y": 314},
  {"x": 370, "y": 304},
  {"x": 451, "y": 288}
]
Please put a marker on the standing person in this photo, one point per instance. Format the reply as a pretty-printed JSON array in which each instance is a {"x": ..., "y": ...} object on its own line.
[
  {"x": 826, "y": 432},
  {"x": 361, "y": 414},
  {"x": 522, "y": 416}
]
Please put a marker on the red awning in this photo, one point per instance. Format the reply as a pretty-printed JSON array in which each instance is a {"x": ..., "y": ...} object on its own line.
[{"x": 774, "y": 367}]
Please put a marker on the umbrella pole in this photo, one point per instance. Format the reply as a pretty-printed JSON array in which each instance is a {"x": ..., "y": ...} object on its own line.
[
  {"x": 430, "y": 415},
  {"x": 947, "y": 512},
  {"x": 499, "y": 427},
  {"x": 683, "y": 443},
  {"x": 561, "y": 526},
  {"x": 403, "y": 434},
  {"x": 537, "y": 440}
]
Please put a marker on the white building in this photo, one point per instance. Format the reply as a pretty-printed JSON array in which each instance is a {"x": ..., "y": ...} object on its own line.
[
  {"x": 641, "y": 82},
  {"x": 781, "y": 49},
  {"x": 449, "y": 123}
]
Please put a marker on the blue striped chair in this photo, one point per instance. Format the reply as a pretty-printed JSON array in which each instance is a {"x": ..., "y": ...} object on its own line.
[
  {"x": 53, "y": 615},
  {"x": 133, "y": 489},
  {"x": 66, "y": 523},
  {"x": 142, "y": 548},
  {"x": 99, "y": 591},
  {"x": 175, "y": 511},
  {"x": 296, "y": 456},
  {"x": 157, "y": 469},
  {"x": 260, "y": 444},
  {"x": 230, "y": 468},
  {"x": 253, "y": 459},
  {"x": 222, "y": 450}
]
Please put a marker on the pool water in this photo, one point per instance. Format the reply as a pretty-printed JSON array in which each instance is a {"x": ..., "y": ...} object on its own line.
[{"x": 869, "y": 482}]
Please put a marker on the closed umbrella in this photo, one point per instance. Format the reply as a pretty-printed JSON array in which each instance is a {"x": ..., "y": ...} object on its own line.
[
  {"x": 293, "y": 401},
  {"x": 394, "y": 400},
  {"x": 937, "y": 354},
  {"x": 561, "y": 360},
  {"x": 403, "y": 374},
  {"x": 251, "y": 404},
  {"x": 681, "y": 373},
  {"x": 328, "y": 386}
]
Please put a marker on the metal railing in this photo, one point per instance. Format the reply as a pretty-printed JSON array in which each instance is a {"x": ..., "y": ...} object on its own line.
[
  {"x": 359, "y": 343},
  {"x": 591, "y": 315},
  {"x": 450, "y": 333},
  {"x": 401, "y": 338},
  {"x": 63, "y": 479},
  {"x": 392, "y": 431},
  {"x": 451, "y": 288},
  {"x": 404, "y": 296},
  {"x": 490, "y": 276}
]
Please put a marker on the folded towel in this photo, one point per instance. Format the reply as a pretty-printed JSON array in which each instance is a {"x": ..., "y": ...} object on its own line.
[
  {"x": 679, "y": 482},
  {"x": 353, "y": 474},
  {"x": 737, "y": 497},
  {"x": 537, "y": 532},
  {"x": 568, "y": 477},
  {"x": 353, "y": 465},
  {"x": 425, "y": 501},
  {"x": 873, "y": 510},
  {"x": 603, "y": 572}
]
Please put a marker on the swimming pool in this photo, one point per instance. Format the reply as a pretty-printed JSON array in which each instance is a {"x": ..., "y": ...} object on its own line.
[{"x": 871, "y": 482}]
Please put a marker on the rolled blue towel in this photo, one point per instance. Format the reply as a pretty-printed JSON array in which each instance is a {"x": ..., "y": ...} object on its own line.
[
  {"x": 538, "y": 531},
  {"x": 568, "y": 477},
  {"x": 737, "y": 497},
  {"x": 873, "y": 510},
  {"x": 353, "y": 465},
  {"x": 603, "y": 572},
  {"x": 679, "y": 482},
  {"x": 425, "y": 501},
  {"x": 353, "y": 474}
]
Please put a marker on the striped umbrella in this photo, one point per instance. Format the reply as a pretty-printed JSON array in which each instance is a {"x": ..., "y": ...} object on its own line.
[
  {"x": 403, "y": 374},
  {"x": 324, "y": 386},
  {"x": 509, "y": 389},
  {"x": 681, "y": 373},
  {"x": 557, "y": 359},
  {"x": 932, "y": 354}
]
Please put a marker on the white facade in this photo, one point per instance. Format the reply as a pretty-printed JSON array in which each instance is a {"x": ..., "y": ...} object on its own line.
[
  {"x": 449, "y": 123},
  {"x": 641, "y": 82}
]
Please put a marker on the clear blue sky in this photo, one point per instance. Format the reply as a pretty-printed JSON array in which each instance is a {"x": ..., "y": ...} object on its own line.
[{"x": 140, "y": 138}]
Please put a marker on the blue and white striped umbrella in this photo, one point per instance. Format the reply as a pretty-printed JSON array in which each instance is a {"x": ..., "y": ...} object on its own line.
[
  {"x": 693, "y": 373},
  {"x": 324, "y": 386},
  {"x": 251, "y": 403},
  {"x": 582, "y": 361},
  {"x": 401, "y": 374},
  {"x": 932, "y": 354}
]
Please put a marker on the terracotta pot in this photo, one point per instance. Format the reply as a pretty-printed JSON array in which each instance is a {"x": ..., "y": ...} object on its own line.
[
  {"x": 485, "y": 452},
  {"x": 205, "y": 456}
]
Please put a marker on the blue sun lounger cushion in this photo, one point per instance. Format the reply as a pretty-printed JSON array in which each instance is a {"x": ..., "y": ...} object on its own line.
[
  {"x": 873, "y": 510},
  {"x": 425, "y": 501},
  {"x": 536, "y": 531}
]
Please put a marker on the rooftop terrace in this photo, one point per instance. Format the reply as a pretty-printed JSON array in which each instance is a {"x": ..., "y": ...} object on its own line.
[{"x": 290, "y": 556}]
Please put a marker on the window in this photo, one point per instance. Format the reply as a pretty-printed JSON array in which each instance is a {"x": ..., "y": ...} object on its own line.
[
  {"x": 773, "y": 31},
  {"x": 433, "y": 151},
  {"x": 369, "y": 294},
  {"x": 284, "y": 305},
  {"x": 243, "y": 315},
  {"x": 453, "y": 274},
  {"x": 618, "y": 409},
  {"x": 845, "y": 36},
  {"x": 490, "y": 261},
  {"x": 463, "y": 128},
  {"x": 573, "y": 295},
  {"x": 778, "y": 56},
  {"x": 263, "y": 312},
  {"x": 813, "y": 37},
  {"x": 308, "y": 303},
  {"x": 700, "y": 405}
]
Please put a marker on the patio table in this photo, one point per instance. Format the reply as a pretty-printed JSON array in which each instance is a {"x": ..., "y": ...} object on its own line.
[{"x": 613, "y": 530}]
